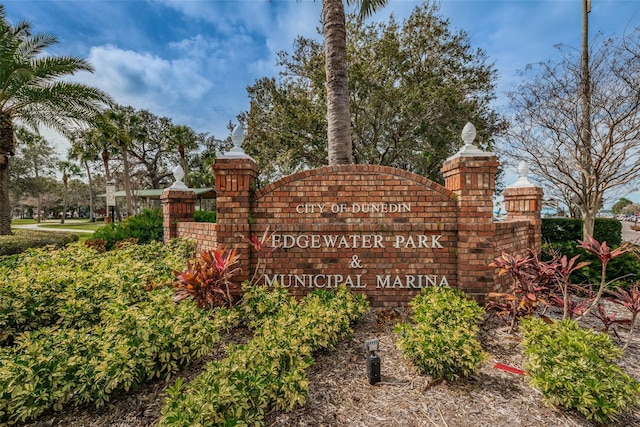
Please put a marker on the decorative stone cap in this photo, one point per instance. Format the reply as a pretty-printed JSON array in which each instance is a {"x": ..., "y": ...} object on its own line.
[
  {"x": 178, "y": 174},
  {"x": 469, "y": 149},
  {"x": 523, "y": 181},
  {"x": 237, "y": 137}
]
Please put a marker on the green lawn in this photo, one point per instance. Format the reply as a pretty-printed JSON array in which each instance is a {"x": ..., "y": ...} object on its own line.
[
  {"x": 70, "y": 225},
  {"x": 85, "y": 225},
  {"x": 75, "y": 224},
  {"x": 23, "y": 221}
]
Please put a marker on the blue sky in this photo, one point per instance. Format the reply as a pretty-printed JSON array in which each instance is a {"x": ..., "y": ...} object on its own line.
[{"x": 191, "y": 60}]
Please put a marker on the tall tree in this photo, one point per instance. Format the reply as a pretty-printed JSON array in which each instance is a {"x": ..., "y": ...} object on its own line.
[
  {"x": 335, "y": 42},
  {"x": 412, "y": 85},
  {"x": 184, "y": 140},
  {"x": 85, "y": 152},
  {"x": 619, "y": 206},
  {"x": 31, "y": 91},
  {"x": 121, "y": 127},
  {"x": 548, "y": 126},
  {"x": 39, "y": 160},
  {"x": 152, "y": 148}
]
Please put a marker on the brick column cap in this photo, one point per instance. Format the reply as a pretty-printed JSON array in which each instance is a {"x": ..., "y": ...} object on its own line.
[
  {"x": 516, "y": 191},
  {"x": 170, "y": 193}
]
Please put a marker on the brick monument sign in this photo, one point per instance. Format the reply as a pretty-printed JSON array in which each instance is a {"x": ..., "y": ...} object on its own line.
[{"x": 381, "y": 231}]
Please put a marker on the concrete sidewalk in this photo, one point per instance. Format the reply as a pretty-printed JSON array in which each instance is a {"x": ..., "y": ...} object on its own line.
[{"x": 59, "y": 229}]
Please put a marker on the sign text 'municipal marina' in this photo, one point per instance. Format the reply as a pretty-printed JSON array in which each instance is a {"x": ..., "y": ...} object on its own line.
[{"x": 409, "y": 281}]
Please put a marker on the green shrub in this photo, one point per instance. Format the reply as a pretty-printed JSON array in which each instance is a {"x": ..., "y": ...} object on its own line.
[
  {"x": 22, "y": 240},
  {"x": 144, "y": 227},
  {"x": 70, "y": 287},
  {"x": 269, "y": 372},
  {"x": 573, "y": 368},
  {"x": 259, "y": 303},
  {"x": 50, "y": 367},
  {"x": 443, "y": 341},
  {"x": 204, "y": 216},
  {"x": 562, "y": 230}
]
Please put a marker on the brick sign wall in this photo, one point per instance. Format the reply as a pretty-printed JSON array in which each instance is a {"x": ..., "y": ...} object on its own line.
[
  {"x": 379, "y": 230},
  {"x": 382, "y": 231}
]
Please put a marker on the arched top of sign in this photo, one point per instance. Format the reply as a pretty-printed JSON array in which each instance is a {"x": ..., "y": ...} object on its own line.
[{"x": 356, "y": 169}]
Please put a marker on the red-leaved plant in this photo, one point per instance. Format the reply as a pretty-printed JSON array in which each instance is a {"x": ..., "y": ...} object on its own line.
[
  {"x": 629, "y": 300},
  {"x": 609, "y": 319},
  {"x": 207, "y": 280},
  {"x": 604, "y": 254},
  {"x": 531, "y": 279},
  {"x": 263, "y": 249}
]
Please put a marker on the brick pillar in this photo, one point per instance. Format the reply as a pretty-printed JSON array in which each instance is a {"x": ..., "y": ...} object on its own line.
[
  {"x": 236, "y": 179},
  {"x": 525, "y": 203},
  {"x": 470, "y": 175},
  {"x": 177, "y": 205}
]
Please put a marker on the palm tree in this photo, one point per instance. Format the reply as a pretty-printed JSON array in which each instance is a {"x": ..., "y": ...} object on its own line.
[
  {"x": 335, "y": 47},
  {"x": 183, "y": 139},
  {"x": 67, "y": 169},
  {"x": 124, "y": 124},
  {"x": 83, "y": 151},
  {"x": 31, "y": 92}
]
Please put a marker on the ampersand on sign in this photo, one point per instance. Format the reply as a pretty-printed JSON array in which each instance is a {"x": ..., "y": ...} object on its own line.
[{"x": 355, "y": 262}]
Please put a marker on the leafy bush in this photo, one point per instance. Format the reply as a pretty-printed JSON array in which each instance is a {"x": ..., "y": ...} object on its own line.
[
  {"x": 204, "y": 216},
  {"x": 259, "y": 303},
  {"x": 51, "y": 367},
  {"x": 70, "y": 287},
  {"x": 443, "y": 341},
  {"x": 573, "y": 368},
  {"x": 22, "y": 240},
  {"x": 144, "y": 227},
  {"x": 562, "y": 230},
  {"x": 269, "y": 372}
]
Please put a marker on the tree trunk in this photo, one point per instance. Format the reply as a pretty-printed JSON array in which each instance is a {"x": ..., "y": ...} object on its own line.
[
  {"x": 338, "y": 115},
  {"x": 5, "y": 206},
  {"x": 92, "y": 215},
  {"x": 38, "y": 201},
  {"x": 6, "y": 150},
  {"x": 65, "y": 181},
  {"x": 184, "y": 164},
  {"x": 127, "y": 183},
  {"x": 105, "y": 162},
  {"x": 588, "y": 223}
]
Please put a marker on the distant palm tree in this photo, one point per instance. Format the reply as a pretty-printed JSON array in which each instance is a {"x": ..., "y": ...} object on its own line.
[
  {"x": 116, "y": 127},
  {"x": 68, "y": 169},
  {"x": 335, "y": 47},
  {"x": 183, "y": 139},
  {"x": 83, "y": 151},
  {"x": 31, "y": 92}
]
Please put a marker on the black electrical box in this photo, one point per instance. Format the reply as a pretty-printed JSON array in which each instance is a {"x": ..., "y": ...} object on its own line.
[{"x": 373, "y": 368}]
